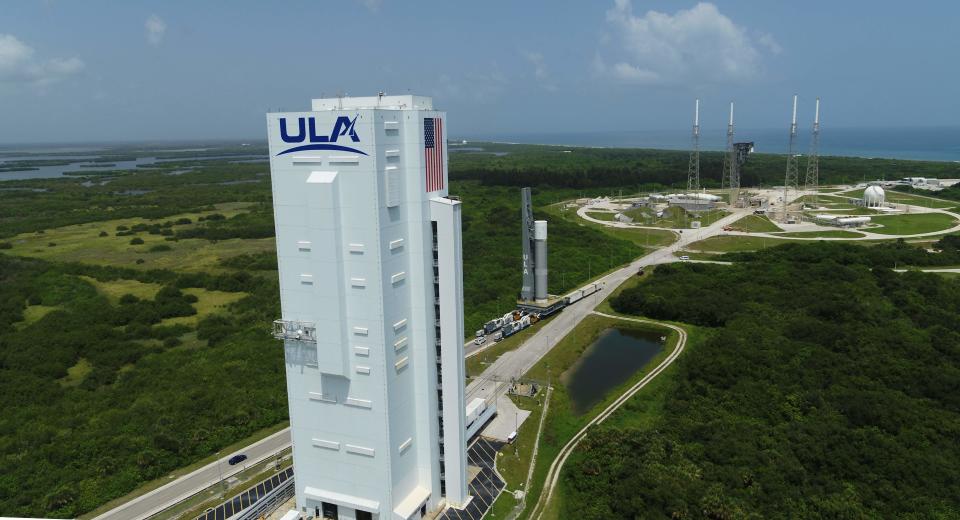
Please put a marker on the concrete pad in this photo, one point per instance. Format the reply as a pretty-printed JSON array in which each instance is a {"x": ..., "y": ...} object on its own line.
[{"x": 508, "y": 419}]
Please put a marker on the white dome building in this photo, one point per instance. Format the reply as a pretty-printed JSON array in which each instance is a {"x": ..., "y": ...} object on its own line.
[{"x": 873, "y": 197}]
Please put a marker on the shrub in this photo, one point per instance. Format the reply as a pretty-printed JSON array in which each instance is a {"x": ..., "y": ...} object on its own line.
[
  {"x": 135, "y": 241},
  {"x": 183, "y": 221},
  {"x": 103, "y": 234},
  {"x": 128, "y": 299},
  {"x": 160, "y": 247},
  {"x": 6, "y": 245},
  {"x": 122, "y": 228},
  {"x": 51, "y": 244},
  {"x": 140, "y": 261},
  {"x": 34, "y": 299},
  {"x": 172, "y": 342}
]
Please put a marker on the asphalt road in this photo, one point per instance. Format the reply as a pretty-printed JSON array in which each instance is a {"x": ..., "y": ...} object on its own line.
[{"x": 509, "y": 366}]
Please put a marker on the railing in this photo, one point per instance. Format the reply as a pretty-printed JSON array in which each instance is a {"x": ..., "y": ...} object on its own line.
[{"x": 295, "y": 330}]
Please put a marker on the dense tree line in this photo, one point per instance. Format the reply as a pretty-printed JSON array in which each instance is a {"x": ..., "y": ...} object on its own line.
[
  {"x": 827, "y": 387},
  {"x": 642, "y": 169},
  {"x": 146, "y": 407}
]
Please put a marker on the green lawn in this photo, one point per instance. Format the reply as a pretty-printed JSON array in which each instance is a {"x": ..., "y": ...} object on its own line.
[
  {"x": 833, "y": 233},
  {"x": 726, "y": 244},
  {"x": 645, "y": 238},
  {"x": 899, "y": 197},
  {"x": 33, "y": 313},
  {"x": 601, "y": 215},
  {"x": 755, "y": 224},
  {"x": 912, "y": 224}
]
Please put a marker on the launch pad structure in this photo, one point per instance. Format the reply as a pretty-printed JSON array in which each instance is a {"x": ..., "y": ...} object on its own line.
[{"x": 533, "y": 293}]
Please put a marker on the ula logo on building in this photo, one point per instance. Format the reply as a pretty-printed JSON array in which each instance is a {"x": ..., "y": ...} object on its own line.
[{"x": 307, "y": 131}]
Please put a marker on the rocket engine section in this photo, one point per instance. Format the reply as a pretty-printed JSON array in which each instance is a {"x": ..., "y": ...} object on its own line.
[{"x": 540, "y": 259}]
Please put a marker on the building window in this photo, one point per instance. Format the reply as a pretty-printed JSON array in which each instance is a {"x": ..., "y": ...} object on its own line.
[
  {"x": 330, "y": 511},
  {"x": 364, "y": 515}
]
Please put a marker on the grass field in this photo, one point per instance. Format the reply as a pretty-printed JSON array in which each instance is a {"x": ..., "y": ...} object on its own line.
[
  {"x": 642, "y": 237},
  {"x": 833, "y": 233},
  {"x": 83, "y": 243},
  {"x": 33, "y": 313},
  {"x": 912, "y": 224},
  {"x": 726, "y": 244},
  {"x": 899, "y": 197},
  {"x": 673, "y": 217},
  {"x": 601, "y": 215},
  {"x": 114, "y": 289},
  {"x": 755, "y": 224},
  {"x": 208, "y": 302}
]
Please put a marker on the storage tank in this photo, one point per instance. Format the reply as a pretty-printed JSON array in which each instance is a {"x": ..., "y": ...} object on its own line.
[
  {"x": 540, "y": 258},
  {"x": 873, "y": 197}
]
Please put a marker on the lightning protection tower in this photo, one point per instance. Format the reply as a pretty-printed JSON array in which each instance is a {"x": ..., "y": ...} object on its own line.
[
  {"x": 731, "y": 164},
  {"x": 813, "y": 160},
  {"x": 791, "y": 179},
  {"x": 693, "y": 168}
]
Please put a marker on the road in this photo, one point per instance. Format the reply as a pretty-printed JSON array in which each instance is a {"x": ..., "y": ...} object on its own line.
[
  {"x": 200, "y": 479},
  {"x": 511, "y": 365}
]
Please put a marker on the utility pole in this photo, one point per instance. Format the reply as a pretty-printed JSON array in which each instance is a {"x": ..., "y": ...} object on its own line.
[{"x": 790, "y": 179}]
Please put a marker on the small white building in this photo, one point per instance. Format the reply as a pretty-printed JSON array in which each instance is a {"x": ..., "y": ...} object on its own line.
[{"x": 826, "y": 219}]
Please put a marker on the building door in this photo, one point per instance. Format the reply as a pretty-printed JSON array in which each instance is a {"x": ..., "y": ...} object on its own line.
[
  {"x": 329, "y": 511},
  {"x": 364, "y": 515}
]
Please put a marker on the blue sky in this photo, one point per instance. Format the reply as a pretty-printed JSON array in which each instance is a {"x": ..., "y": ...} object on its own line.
[{"x": 95, "y": 70}]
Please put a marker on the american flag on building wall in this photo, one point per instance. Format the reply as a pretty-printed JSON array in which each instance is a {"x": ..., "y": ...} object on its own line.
[{"x": 433, "y": 152}]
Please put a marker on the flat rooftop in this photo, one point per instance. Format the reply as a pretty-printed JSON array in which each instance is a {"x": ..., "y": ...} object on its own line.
[{"x": 405, "y": 102}]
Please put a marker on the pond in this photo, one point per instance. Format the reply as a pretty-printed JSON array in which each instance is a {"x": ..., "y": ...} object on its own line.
[{"x": 610, "y": 361}]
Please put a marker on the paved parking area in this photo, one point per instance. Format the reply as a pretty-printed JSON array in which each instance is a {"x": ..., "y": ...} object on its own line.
[{"x": 485, "y": 487}]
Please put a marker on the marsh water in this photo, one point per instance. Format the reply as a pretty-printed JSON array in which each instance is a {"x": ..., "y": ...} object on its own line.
[{"x": 615, "y": 356}]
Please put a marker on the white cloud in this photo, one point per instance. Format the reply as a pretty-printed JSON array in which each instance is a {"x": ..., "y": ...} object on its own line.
[
  {"x": 18, "y": 64},
  {"x": 372, "y": 5},
  {"x": 697, "y": 44},
  {"x": 540, "y": 70},
  {"x": 156, "y": 29},
  {"x": 767, "y": 40}
]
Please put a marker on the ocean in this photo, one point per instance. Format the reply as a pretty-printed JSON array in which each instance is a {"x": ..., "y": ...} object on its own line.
[{"x": 925, "y": 144}]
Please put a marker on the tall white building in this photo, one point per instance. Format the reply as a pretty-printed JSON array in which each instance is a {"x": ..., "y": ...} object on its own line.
[{"x": 371, "y": 292}]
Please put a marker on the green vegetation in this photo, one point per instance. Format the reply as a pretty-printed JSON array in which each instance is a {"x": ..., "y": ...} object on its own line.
[
  {"x": 907, "y": 195},
  {"x": 755, "y": 224},
  {"x": 725, "y": 244},
  {"x": 123, "y": 363},
  {"x": 830, "y": 233},
  {"x": 673, "y": 217},
  {"x": 601, "y": 215},
  {"x": 648, "y": 170},
  {"x": 561, "y": 422},
  {"x": 99, "y": 397},
  {"x": 645, "y": 238},
  {"x": 912, "y": 224},
  {"x": 842, "y": 407}
]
